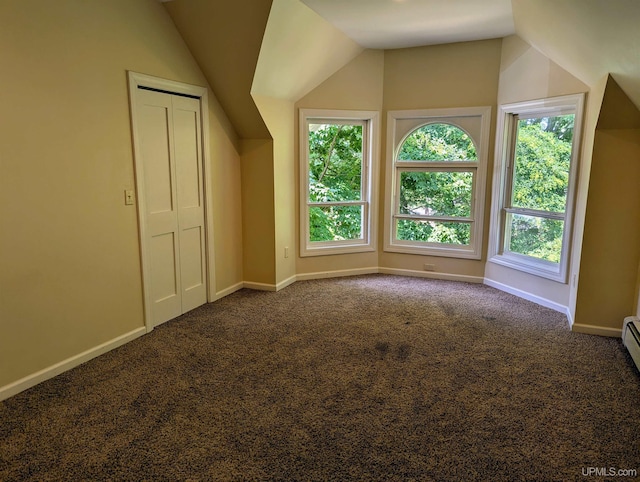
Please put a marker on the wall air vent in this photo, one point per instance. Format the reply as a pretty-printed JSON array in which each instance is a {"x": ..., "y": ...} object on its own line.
[{"x": 631, "y": 338}]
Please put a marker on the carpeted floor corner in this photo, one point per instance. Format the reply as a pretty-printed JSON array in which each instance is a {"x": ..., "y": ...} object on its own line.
[{"x": 363, "y": 378}]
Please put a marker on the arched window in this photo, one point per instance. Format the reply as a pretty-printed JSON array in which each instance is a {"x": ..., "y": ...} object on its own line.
[
  {"x": 438, "y": 142},
  {"x": 436, "y": 166}
]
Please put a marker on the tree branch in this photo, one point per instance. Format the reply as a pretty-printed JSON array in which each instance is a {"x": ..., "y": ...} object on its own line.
[{"x": 328, "y": 159}]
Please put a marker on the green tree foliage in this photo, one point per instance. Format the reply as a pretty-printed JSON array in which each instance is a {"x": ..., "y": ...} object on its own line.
[
  {"x": 335, "y": 175},
  {"x": 541, "y": 182},
  {"x": 438, "y": 142},
  {"x": 542, "y": 161},
  {"x": 436, "y": 193}
]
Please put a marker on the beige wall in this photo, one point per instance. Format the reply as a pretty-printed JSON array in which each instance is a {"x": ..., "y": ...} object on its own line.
[
  {"x": 611, "y": 246},
  {"x": 278, "y": 115},
  {"x": 607, "y": 290},
  {"x": 69, "y": 253},
  {"x": 357, "y": 86},
  {"x": 258, "y": 212},
  {"x": 227, "y": 199},
  {"x": 526, "y": 74},
  {"x": 424, "y": 77},
  {"x": 453, "y": 75}
]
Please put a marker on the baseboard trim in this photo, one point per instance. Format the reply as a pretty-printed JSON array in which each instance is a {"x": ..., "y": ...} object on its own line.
[
  {"x": 255, "y": 286},
  {"x": 284, "y": 283},
  {"x": 228, "y": 291},
  {"x": 569, "y": 317},
  {"x": 337, "y": 273},
  {"x": 597, "y": 330},
  {"x": 527, "y": 296},
  {"x": 432, "y": 275},
  {"x": 260, "y": 286},
  {"x": 72, "y": 362}
]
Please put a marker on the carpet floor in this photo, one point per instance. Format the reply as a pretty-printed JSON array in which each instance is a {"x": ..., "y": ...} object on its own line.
[{"x": 372, "y": 377}]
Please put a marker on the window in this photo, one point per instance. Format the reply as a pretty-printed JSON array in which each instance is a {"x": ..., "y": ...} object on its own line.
[
  {"x": 435, "y": 181},
  {"x": 536, "y": 164},
  {"x": 337, "y": 180}
]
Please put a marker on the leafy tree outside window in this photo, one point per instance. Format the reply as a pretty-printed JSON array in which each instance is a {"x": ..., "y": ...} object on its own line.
[
  {"x": 534, "y": 200},
  {"x": 434, "y": 203},
  {"x": 540, "y": 185},
  {"x": 437, "y": 177},
  {"x": 336, "y": 181}
]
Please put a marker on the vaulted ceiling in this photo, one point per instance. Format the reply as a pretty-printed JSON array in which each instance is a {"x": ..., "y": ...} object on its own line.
[
  {"x": 225, "y": 38},
  {"x": 391, "y": 24},
  {"x": 284, "y": 48}
]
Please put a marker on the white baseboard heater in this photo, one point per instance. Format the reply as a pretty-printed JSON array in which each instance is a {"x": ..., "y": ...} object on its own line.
[{"x": 631, "y": 338}]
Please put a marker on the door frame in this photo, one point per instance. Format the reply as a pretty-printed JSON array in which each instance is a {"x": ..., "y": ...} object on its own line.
[{"x": 137, "y": 80}]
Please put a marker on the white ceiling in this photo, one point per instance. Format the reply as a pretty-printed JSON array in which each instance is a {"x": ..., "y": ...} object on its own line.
[{"x": 388, "y": 24}]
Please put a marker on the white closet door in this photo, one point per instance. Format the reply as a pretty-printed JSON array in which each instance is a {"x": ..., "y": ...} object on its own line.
[
  {"x": 188, "y": 139},
  {"x": 170, "y": 145}
]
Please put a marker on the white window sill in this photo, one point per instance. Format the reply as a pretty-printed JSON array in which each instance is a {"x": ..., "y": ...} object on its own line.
[{"x": 541, "y": 268}]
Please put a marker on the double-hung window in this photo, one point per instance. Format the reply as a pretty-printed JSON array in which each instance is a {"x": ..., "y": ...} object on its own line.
[
  {"x": 337, "y": 179},
  {"x": 435, "y": 181},
  {"x": 536, "y": 162}
]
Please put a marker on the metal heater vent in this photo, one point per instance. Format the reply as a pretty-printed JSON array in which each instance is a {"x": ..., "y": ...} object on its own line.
[{"x": 631, "y": 338}]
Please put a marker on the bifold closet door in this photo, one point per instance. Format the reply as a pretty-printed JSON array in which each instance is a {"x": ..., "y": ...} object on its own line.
[{"x": 170, "y": 132}]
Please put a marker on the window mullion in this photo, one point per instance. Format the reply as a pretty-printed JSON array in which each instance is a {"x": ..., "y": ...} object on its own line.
[
  {"x": 425, "y": 217},
  {"x": 438, "y": 166},
  {"x": 536, "y": 213},
  {"x": 336, "y": 203}
]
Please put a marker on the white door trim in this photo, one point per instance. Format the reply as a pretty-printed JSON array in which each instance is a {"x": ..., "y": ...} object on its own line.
[{"x": 137, "y": 80}]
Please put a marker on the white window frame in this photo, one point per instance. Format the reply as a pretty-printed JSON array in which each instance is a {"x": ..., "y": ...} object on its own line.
[
  {"x": 370, "y": 154},
  {"x": 503, "y": 181},
  {"x": 413, "y": 119}
]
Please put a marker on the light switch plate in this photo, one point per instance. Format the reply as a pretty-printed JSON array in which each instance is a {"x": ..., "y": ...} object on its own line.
[{"x": 129, "y": 198}]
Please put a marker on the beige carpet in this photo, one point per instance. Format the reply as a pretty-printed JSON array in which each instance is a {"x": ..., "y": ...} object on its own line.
[{"x": 363, "y": 378}]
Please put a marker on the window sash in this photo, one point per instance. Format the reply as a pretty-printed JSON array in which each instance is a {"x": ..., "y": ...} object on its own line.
[
  {"x": 503, "y": 208},
  {"x": 511, "y": 172},
  {"x": 369, "y": 122},
  {"x": 537, "y": 213},
  {"x": 405, "y": 166},
  {"x": 398, "y": 178},
  {"x": 409, "y": 243},
  {"x": 475, "y": 122},
  {"x": 364, "y": 163}
]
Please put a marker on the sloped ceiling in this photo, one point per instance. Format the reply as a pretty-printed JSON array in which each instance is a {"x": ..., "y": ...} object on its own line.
[
  {"x": 588, "y": 38},
  {"x": 299, "y": 51},
  {"x": 225, "y": 38},
  {"x": 245, "y": 45},
  {"x": 617, "y": 111}
]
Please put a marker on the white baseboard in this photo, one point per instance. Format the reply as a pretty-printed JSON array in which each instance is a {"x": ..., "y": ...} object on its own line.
[
  {"x": 50, "y": 372},
  {"x": 569, "y": 317},
  {"x": 337, "y": 273},
  {"x": 431, "y": 275},
  {"x": 76, "y": 360},
  {"x": 527, "y": 296},
  {"x": 270, "y": 287},
  {"x": 228, "y": 291},
  {"x": 284, "y": 283},
  {"x": 597, "y": 330},
  {"x": 260, "y": 286}
]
